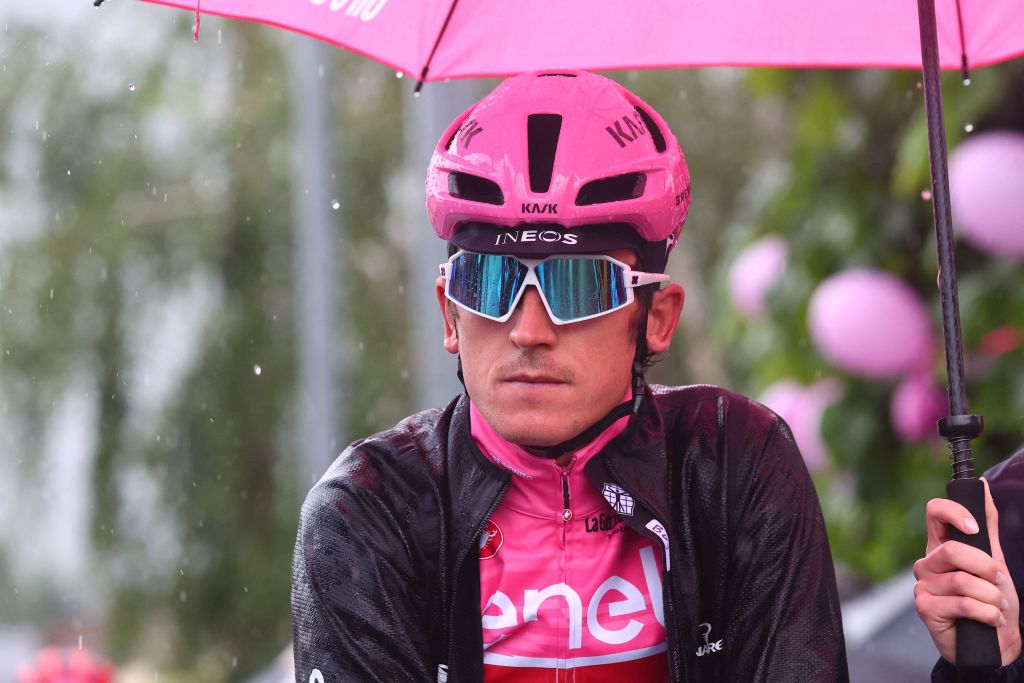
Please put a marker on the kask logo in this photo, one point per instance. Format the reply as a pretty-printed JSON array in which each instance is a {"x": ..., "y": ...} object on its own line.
[
  {"x": 467, "y": 131},
  {"x": 634, "y": 128},
  {"x": 534, "y": 207},
  {"x": 490, "y": 540},
  {"x": 619, "y": 499}
]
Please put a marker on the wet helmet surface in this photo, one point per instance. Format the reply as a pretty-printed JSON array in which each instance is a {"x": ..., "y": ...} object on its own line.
[{"x": 559, "y": 163}]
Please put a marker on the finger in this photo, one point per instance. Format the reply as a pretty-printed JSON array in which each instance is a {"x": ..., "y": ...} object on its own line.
[
  {"x": 941, "y": 513},
  {"x": 992, "y": 518},
  {"x": 941, "y": 610},
  {"x": 958, "y": 583},
  {"x": 956, "y": 556}
]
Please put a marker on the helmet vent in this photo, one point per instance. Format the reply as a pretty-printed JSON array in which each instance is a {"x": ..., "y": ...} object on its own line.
[
  {"x": 612, "y": 189},
  {"x": 556, "y": 74},
  {"x": 542, "y": 140},
  {"x": 656, "y": 136},
  {"x": 474, "y": 188}
]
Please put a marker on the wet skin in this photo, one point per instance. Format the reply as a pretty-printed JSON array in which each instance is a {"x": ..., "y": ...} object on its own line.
[{"x": 538, "y": 383}]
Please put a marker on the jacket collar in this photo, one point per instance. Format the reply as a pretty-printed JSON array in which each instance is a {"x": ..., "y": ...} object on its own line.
[
  {"x": 637, "y": 458},
  {"x": 475, "y": 483}
]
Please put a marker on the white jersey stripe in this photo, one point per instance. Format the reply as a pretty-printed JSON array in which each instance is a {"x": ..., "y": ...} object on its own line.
[{"x": 571, "y": 663}]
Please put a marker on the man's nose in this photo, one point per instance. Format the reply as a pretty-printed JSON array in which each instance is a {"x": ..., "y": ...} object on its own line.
[{"x": 531, "y": 325}]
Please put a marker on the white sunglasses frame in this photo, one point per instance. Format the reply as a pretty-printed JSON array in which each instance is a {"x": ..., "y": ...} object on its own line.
[{"x": 632, "y": 278}]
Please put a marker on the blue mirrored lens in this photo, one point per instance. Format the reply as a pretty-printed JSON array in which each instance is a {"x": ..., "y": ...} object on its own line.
[
  {"x": 486, "y": 283},
  {"x": 578, "y": 288}
]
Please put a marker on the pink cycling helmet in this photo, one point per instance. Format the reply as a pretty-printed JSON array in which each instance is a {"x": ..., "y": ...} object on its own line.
[{"x": 559, "y": 162}]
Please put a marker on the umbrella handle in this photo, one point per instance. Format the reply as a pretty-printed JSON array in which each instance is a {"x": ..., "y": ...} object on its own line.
[{"x": 977, "y": 645}]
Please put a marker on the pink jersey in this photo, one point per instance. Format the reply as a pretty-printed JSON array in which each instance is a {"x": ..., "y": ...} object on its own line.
[{"x": 568, "y": 592}]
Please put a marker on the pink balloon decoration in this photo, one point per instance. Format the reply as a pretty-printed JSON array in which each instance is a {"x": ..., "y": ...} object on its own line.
[
  {"x": 916, "y": 404},
  {"x": 871, "y": 324},
  {"x": 803, "y": 408},
  {"x": 754, "y": 272},
  {"x": 986, "y": 189}
]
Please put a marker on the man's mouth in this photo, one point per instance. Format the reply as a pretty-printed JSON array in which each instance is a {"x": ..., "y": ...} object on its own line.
[{"x": 534, "y": 379}]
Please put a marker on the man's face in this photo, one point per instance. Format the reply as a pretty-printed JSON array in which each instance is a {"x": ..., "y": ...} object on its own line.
[{"x": 538, "y": 383}]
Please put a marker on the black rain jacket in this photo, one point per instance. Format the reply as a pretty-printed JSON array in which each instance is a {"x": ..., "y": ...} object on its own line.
[{"x": 386, "y": 583}]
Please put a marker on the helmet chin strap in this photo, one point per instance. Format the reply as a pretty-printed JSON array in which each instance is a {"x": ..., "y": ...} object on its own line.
[
  {"x": 593, "y": 431},
  {"x": 577, "y": 442}
]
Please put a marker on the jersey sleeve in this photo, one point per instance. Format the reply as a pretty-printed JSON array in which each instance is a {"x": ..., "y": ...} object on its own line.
[
  {"x": 358, "y": 613},
  {"x": 785, "y": 604}
]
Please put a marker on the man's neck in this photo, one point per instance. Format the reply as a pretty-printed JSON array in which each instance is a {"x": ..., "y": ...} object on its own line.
[{"x": 562, "y": 460}]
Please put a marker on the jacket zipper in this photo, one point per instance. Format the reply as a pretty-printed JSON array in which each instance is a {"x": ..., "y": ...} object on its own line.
[
  {"x": 566, "y": 518},
  {"x": 566, "y": 510}
]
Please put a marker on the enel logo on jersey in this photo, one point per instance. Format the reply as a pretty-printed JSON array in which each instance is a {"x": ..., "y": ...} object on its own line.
[{"x": 616, "y": 595}]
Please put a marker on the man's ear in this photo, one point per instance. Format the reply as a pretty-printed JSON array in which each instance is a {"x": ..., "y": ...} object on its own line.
[
  {"x": 448, "y": 315},
  {"x": 663, "y": 317}
]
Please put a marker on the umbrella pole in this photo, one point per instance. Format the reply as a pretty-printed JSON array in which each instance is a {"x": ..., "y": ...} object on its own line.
[{"x": 977, "y": 646}]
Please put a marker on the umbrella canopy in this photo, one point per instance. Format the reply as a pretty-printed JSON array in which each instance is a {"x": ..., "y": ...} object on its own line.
[{"x": 440, "y": 39}]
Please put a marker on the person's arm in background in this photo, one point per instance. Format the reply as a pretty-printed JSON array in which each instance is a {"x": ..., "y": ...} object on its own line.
[{"x": 955, "y": 580}]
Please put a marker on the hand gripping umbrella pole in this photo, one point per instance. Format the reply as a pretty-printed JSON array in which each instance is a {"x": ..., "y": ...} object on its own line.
[{"x": 977, "y": 646}]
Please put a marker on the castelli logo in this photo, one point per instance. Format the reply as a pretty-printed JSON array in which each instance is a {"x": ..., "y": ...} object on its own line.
[{"x": 490, "y": 541}]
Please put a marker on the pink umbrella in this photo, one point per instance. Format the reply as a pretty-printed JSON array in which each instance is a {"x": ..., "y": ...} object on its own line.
[{"x": 440, "y": 39}]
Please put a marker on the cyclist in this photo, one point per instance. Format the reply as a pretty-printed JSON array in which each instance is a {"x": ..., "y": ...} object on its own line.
[{"x": 563, "y": 520}]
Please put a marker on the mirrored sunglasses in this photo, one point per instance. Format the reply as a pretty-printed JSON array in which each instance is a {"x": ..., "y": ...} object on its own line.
[{"x": 572, "y": 287}]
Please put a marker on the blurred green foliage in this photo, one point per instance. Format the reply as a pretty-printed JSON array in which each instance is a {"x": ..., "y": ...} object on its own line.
[{"x": 175, "y": 194}]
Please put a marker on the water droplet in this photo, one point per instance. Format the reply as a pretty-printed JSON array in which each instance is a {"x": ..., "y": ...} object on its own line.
[
  {"x": 131, "y": 87},
  {"x": 926, "y": 195},
  {"x": 79, "y": 641},
  {"x": 183, "y": 596},
  {"x": 417, "y": 94},
  {"x": 967, "y": 82},
  {"x": 918, "y": 85},
  {"x": 399, "y": 74},
  {"x": 51, "y": 293},
  {"x": 257, "y": 370},
  {"x": 335, "y": 205},
  {"x": 234, "y": 662},
  {"x": 968, "y": 127}
]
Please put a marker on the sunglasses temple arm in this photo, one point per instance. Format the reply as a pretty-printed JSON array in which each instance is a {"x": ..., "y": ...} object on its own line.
[{"x": 638, "y": 279}]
